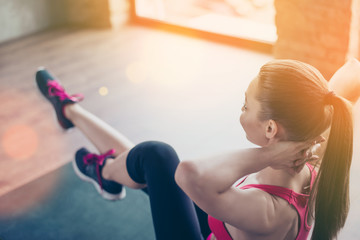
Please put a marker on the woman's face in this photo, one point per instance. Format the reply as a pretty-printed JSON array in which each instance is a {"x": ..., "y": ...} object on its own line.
[{"x": 255, "y": 129}]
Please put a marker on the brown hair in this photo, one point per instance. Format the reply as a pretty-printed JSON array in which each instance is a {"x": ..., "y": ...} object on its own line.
[{"x": 296, "y": 95}]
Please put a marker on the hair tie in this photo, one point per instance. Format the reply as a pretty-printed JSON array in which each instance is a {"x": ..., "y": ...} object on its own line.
[{"x": 328, "y": 98}]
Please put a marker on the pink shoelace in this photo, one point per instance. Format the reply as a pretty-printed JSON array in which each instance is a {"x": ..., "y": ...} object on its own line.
[
  {"x": 91, "y": 158},
  {"x": 55, "y": 89}
]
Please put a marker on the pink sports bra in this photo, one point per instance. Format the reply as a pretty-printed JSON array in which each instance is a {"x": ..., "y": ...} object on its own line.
[{"x": 298, "y": 200}]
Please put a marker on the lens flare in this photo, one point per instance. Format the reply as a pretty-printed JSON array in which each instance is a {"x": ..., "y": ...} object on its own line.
[
  {"x": 137, "y": 72},
  {"x": 103, "y": 91},
  {"x": 20, "y": 142}
]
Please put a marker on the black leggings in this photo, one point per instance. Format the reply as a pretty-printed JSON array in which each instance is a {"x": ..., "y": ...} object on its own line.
[{"x": 174, "y": 215}]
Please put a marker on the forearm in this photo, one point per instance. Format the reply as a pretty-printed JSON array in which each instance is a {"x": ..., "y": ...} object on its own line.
[
  {"x": 219, "y": 173},
  {"x": 208, "y": 182}
]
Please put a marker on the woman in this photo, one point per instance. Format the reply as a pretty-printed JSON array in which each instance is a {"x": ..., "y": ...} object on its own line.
[{"x": 288, "y": 107}]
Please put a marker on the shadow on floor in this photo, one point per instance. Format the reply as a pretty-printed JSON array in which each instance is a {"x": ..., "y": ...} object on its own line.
[{"x": 74, "y": 210}]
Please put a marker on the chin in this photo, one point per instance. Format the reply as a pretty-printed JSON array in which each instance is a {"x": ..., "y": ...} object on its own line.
[
  {"x": 258, "y": 143},
  {"x": 252, "y": 140}
]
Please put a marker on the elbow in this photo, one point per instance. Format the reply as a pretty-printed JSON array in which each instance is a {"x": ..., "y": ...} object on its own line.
[
  {"x": 191, "y": 178},
  {"x": 187, "y": 174}
]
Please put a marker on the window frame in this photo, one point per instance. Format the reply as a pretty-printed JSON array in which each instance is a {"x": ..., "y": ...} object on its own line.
[{"x": 255, "y": 45}]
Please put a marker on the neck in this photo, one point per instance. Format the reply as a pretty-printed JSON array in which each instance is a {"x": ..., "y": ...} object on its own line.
[{"x": 272, "y": 176}]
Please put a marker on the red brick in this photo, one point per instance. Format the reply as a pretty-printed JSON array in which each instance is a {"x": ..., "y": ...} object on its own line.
[{"x": 316, "y": 32}]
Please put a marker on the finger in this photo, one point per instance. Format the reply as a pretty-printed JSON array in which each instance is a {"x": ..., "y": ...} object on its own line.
[
  {"x": 304, "y": 146},
  {"x": 315, "y": 148},
  {"x": 311, "y": 142},
  {"x": 306, "y": 153},
  {"x": 313, "y": 158},
  {"x": 308, "y": 158},
  {"x": 320, "y": 139},
  {"x": 303, "y": 153},
  {"x": 300, "y": 154},
  {"x": 300, "y": 162},
  {"x": 311, "y": 150},
  {"x": 299, "y": 166},
  {"x": 311, "y": 146}
]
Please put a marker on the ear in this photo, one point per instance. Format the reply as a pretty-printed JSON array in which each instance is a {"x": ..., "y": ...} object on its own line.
[{"x": 271, "y": 129}]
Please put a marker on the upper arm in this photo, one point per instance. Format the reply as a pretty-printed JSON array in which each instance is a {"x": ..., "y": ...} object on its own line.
[{"x": 251, "y": 210}]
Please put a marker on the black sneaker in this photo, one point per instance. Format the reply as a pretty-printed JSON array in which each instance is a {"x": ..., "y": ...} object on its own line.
[
  {"x": 88, "y": 167},
  {"x": 55, "y": 93}
]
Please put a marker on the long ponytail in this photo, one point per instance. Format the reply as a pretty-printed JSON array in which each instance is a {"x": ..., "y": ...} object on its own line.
[
  {"x": 331, "y": 191},
  {"x": 296, "y": 95}
]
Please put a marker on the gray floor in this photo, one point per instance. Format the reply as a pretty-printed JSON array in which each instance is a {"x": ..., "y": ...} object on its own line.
[
  {"x": 184, "y": 91},
  {"x": 74, "y": 210}
]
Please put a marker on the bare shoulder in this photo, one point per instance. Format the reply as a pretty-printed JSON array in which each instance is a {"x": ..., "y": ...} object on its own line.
[
  {"x": 282, "y": 216},
  {"x": 263, "y": 212},
  {"x": 284, "y": 212}
]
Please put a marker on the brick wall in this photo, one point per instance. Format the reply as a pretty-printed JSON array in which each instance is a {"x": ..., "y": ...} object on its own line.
[
  {"x": 97, "y": 13},
  {"x": 354, "y": 44},
  {"x": 316, "y": 32},
  {"x": 88, "y": 13}
]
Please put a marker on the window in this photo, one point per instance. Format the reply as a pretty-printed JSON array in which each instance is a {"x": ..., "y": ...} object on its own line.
[{"x": 243, "y": 19}]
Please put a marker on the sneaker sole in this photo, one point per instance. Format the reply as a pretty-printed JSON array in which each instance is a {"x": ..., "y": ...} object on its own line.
[{"x": 103, "y": 193}]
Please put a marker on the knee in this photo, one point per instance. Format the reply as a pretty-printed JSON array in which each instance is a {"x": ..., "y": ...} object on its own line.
[{"x": 158, "y": 151}]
